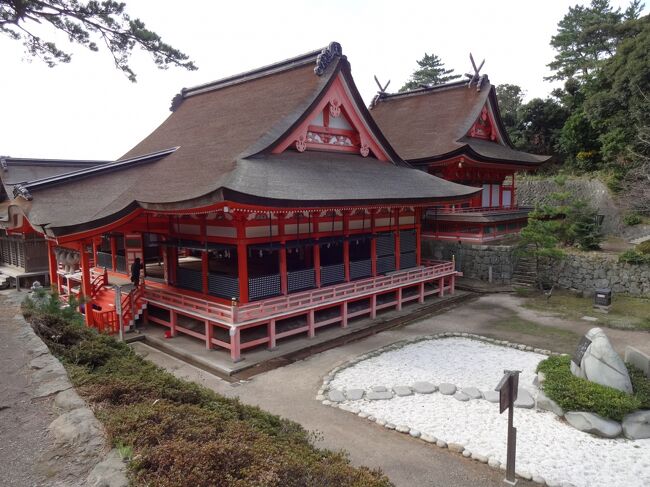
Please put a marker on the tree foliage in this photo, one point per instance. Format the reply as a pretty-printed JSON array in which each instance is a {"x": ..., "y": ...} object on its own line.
[
  {"x": 89, "y": 24},
  {"x": 431, "y": 72}
]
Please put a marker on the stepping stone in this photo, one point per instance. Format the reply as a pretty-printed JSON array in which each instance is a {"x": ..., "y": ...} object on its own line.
[
  {"x": 472, "y": 392},
  {"x": 447, "y": 389},
  {"x": 354, "y": 394},
  {"x": 524, "y": 400},
  {"x": 461, "y": 396},
  {"x": 379, "y": 395},
  {"x": 402, "y": 391},
  {"x": 335, "y": 395},
  {"x": 424, "y": 387},
  {"x": 491, "y": 396},
  {"x": 378, "y": 389}
]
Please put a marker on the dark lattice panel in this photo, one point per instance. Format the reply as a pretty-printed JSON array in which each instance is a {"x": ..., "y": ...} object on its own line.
[
  {"x": 223, "y": 286},
  {"x": 360, "y": 269},
  {"x": 104, "y": 259},
  {"x": 264, "y": 286},
  {"x": 13, "y": 251},
  {"x": 189, "y": 279},
  {"x": 298, "y": 280},
  {"x": 385, "y": 264},
  {"x": 407, "y": 260},
  {"x": 407, "y": 241},
  {"x": 385, "y": 244},
  {"x": 332, "y": 274},
  {"x": 121, "y": 263}
]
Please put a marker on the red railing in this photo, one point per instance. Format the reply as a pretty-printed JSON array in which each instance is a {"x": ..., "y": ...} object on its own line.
[
  {"x": 295, "y": 302},
  {"x": 477, "y": 209},
  {"x": 107, "y": 321},
  {"x": 98, "y": 282}
]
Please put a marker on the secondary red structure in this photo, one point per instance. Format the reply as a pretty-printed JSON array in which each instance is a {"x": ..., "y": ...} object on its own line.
[
  {"x": 455, "y": 131},
  {"x": 268, "y": 204}
]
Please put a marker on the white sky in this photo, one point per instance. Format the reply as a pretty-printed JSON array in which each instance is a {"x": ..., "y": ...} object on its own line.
[{"x": 88, "y": 109}]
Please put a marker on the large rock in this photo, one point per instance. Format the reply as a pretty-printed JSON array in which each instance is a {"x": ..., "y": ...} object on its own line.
[
  {"x": 77, "y": 427},
  {"x": 636, "y": 426},
  {"x": 594, "y": 424},
  {"x": 524, "y": 399},
  {"x": 545, "y": 403},
  {"x": 110, "y": 472},
  {"x": 601, "y": 364}
]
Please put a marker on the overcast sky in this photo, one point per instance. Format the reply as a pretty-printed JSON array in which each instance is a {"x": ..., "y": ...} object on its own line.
[{"x": 89, "y": 110}]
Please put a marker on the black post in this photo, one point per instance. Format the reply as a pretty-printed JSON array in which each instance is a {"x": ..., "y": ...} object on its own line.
[{"x": 512, "y": 440}]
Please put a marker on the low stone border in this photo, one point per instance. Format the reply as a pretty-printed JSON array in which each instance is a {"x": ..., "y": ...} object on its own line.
[
  {"x": 76, "y": 426},
  {"x": 325, "y": 390}
]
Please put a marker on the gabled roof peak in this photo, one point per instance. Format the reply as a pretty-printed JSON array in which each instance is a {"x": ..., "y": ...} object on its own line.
[
  {"x": 429, "y": 89},
  {"x": 321, "y": 57}
]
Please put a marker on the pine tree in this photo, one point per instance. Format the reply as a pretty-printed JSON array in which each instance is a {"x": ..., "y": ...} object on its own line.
[{"x": 431, "y": 72}]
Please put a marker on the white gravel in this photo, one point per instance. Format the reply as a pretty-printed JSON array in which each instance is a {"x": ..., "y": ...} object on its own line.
[{"x": 546, "y": 446}]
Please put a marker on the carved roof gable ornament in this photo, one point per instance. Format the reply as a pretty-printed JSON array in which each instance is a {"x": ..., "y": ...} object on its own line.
[
  {"x": 326, "y": 56},
  {"x": 476, "y": 78},
  {"x": 483, "y": 128},
  {"x": 20, "y": 190}
]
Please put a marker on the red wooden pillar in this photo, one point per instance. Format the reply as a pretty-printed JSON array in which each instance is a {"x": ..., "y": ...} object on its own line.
[
  {"x": 373, "y": 244},
  {"x": 316, "y": 248},
  {"x": 346, "y": 246},
  {"x": 283, "y": 258},
  {"x": 397, "y": 240},
  {"x": 242, "y": 261},
  {"x": 271, "y": 333},
  {"x": 54, "y": 266},
  {"x": 418, "y": 236},
  {"x": 205, "y": 263},
  {"x": 94, "y": 252},
  {"x": 113, "y": 253},
  {"x": 209, "y": 332},
  {"x": 513, "y": 200},
  {"x": 86, "y": 287},
  {"x": 235, "y": 343}
]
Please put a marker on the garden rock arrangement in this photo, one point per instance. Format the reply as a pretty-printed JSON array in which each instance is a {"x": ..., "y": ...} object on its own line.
[{"x": 411, "y": 396}]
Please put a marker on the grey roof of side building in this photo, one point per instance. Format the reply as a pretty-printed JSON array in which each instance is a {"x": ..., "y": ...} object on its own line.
[{"x": 223, "y": 134}]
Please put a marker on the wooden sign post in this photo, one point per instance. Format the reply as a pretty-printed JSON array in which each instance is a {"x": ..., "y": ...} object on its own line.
[{"x": 508, "y": 388}]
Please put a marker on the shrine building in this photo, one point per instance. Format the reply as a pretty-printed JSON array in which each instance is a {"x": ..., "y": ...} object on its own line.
[
  {"x": 454, "y": 131},
  {"x": 268, "y": 204}
]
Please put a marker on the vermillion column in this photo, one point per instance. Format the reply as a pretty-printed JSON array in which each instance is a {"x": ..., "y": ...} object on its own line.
[
  {"x": 113, "y": 253},
  {"x": 418, "y": 236},
  {"x": 314, "y": 218},
  {"x": 86, "y": 287},
  {"x": 373, "y": 244},
  {"x": 54, "y": 266},
  {"x": 205, "y": 270},
  {"x": 283, "y": 256},
  {"x": 346, "y": 245},
  {"x": 242, "y": 258},
  {"x": 397, "y": 242}
]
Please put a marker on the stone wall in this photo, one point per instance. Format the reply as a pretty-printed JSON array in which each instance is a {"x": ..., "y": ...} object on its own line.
[
  {"x": 474, "y": 261},
  {"x": 589, "y": 271},
  {"x": 531, "y": 192}
]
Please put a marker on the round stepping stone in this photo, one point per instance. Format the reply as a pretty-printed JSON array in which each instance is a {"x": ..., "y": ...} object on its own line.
[
  {"x": 377, "y": 396},
  {"x": 447, "y": 389},
  {"x": 492, "y": 396},
  {"x": 354, "y": 394},
  {"x": 378, "y": 389},
  {"x": 402, "y": 391},
  {"x": 461, "y": 396},
  {"x": 335, "y": 395},
  {"x": 524, "y": 399},
  {"x": 472, "y": 392},
  {"x": 424, "y": 387}
]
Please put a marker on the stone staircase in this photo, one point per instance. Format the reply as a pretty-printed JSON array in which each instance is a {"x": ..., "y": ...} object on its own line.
[{"x": 525, "y": 272}]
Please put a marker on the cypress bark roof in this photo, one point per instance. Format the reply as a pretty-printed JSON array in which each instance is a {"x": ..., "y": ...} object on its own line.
[
  {"x": 430, "y": 124},
  {"x": 222, "y": 134}
]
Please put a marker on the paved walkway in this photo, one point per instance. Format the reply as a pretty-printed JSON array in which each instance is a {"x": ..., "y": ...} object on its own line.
[{"x": 289, "y": 391}]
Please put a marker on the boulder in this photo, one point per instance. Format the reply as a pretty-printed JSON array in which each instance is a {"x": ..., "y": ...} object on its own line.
[
  {"x": 110, "y": 472},
  {"x": 636, "y": 426},
  {"x": 594, "y": 424},
  {"x": 601, "y": 364},
  {"x": 545, "y": 403},
  {"x": 524, "y": 399},
  {"x": 447, "y": 389}
]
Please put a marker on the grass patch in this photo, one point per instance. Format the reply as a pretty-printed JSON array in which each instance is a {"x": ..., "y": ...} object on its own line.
[
  {"x": 521, "y": 330},
  {"x": 177, "y": 433},
  {"x": 627, "y": 312},
  {"x": 575, "y": 394}
]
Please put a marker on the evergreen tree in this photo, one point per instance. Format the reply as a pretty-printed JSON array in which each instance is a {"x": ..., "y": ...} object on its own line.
[
  {"x": 510, "y": 98},
  {"x": 431, "y": 72},
  {"x": 87, "y": 24}
]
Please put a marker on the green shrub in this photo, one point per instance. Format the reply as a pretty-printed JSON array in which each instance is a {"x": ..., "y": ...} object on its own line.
[
  {"x": 632, "y": 219},
  {"x": 643, "y": 247},
  {"x": 575, "y": 394},
  {"x": 633, "y": 256},
  {"x": 641, "y": 385}
]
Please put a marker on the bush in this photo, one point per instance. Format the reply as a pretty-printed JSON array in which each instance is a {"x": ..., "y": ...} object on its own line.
[
  {"x": 633, "y": 256},
  {"x": 643, "y": 247},
  {"x": 641, "y": 385},
  {"x": 632, "y": 219},
  {"x": 179, "y": 433},
  {"x": 575, "y": 394}
]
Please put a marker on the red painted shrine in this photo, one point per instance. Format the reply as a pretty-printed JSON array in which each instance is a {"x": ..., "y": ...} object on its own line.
[
  {"x": 267, "y": 205},
  {"x": 454, "y": 131}
]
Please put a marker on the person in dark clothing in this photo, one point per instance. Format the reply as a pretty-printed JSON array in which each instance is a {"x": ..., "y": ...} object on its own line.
[{"x": 136, "y": 267}]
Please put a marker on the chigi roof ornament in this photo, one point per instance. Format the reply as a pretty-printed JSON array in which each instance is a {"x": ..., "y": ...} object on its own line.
[
  {"x": 326, "y": 56},
  {"x": 476, "y": 78}
]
